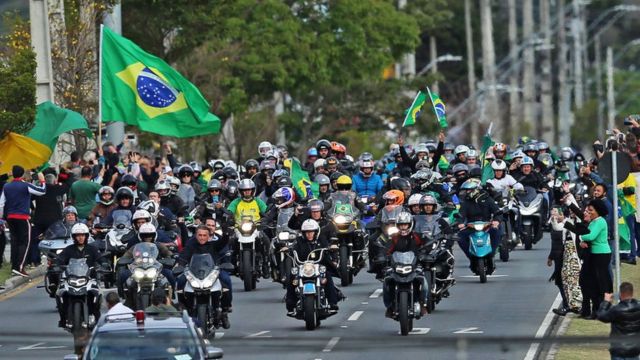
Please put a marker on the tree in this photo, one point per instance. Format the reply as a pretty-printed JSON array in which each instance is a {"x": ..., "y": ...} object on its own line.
[{"x": 17, "y": 79}]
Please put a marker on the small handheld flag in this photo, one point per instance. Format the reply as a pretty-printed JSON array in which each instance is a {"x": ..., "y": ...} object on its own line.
[
  {"x": 438, "y": 108},
  {"x": 414, "y": 110}
]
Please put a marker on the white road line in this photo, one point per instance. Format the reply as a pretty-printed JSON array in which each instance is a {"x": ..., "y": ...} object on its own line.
[
  {"x": 260, "y": 334},
  {"x": 418, "y": 331},
  {"x": 533, "y": 349},
  {"x": 469, "y": 330},
  {"x": 376, "y": 294},
  {"x": 365, "y": 303},
  {"x": 489, "y": 276},
  {"x": 342, "y": 326},
  {"x": 219, "y": 335},
  {"x": 331, "y": 344},
  {"x": 355, "y": 316},
  {"x": 38, "y": 347}
]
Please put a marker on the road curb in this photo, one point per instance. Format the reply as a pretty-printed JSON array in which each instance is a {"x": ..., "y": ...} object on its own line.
[
  {"x": 16, "y": 281},
  {"x": 559, "y": 328}
]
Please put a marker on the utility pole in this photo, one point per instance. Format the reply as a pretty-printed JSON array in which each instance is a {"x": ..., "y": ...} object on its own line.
[
  {"x": 528, "y": 79},
  {"x": 546, "y": 131},
  {"x": 433, "y": 51},
  {"x": 41, "y": 43},
  {"x": 599, "y": 92},
  {"x": 471, "y": 70},
  {"x": 565, "y": 119},
  {"x": 514, "y": 96},
  {"x": 113, "y": 20},
  {"x": 611, "y": 102},
  {"x": 577, "y": 55},
  {"x": 489, "y": 62}
]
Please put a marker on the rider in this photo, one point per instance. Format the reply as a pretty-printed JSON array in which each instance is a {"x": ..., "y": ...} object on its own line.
[
  {"x": 365, "y": 182},
  {"x": 125, "y": 207},
  {"x": 461, "y": 154},
  {"x": 78, "y": 250},
  {"x": 501, "y": 179},
  {"x": 62, "y": 229},
  {"x": 324, "y": 186},
  {"x": 313, "y": 210},
  {"x": 306, "y": 243},
  {"x": 188, "y": 190},
  {"x": 103, "y": 207},
  {"x": 213, "y": 205},
  {"x": 414, "y": 204}
]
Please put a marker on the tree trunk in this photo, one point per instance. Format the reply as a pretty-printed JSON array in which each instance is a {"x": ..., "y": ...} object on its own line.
[
  {"x": 488, "y": 65},
  {"x": 547, "y": 129},
  {"x": 564, "y": 105},
  {"x": 528, "y": 78},
  {"x": 514, "y": 77}
]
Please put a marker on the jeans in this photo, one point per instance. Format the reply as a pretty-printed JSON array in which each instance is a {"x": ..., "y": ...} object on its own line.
[
  {"x": 34, "y": 253},
  {"x": 463, "y": 240}
]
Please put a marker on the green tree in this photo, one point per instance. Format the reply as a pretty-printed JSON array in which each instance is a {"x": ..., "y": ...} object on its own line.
[{"x": 17, "y": 79}]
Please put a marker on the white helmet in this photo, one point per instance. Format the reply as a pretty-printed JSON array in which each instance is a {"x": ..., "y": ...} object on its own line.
[
  {"x": 405, "y": 218},
  {"x": 309, "y": 225},
  {"x": 422, "y": 148},
  {"x": 264, "y": 148},
  {"x": 78, "y": 229},
  {"x": 461, "y": 149},
  {"x": 319, "y": 163},
  {"x": 472, "y": 153},
  {"x": 141, "y": 214},
  {"x": 146, "y": 231},
  {"x": 498, "y": 165},
  {"x": 150, "y": 206},
  {"x": 414, "y": 199}
]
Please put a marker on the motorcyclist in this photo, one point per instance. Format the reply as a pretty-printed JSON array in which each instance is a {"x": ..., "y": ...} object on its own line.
[
  {"x": 527, "y": 177},
  {"x": 478, "y": 206},
  {"x": 263, "y": 150},
  {"x": 324, "y": 187},
  {"x": 460, "y": 153},
  {"x": 103, "y": 207},
  {"x": 131, "y": 182},
  {"x": 213, "y": 205},
  {"x": 206, "y": 242},
  {"x": 312, "y": 156},
  {"x": 343, "y": 193},
  {"x": 414, "y": 204},
  {"x": 405, "y": 240},
  {"x": 174, "y": 203},
  {"x": 323, "y": 147},
  {"x": 425, "y": 180},
  {"x": 78, "y": 250},
  {"x": 139, "y": 218},
  {"x": 305, "y": 244},
  {"x": 314, "y": 210},
  {"x": 365, "y": 182},
  {"x": 460, "y": 173},
  {"x": 125, "y": 207},
  {"x": 188, "y": 190},
  {"x": 61, "y": 229},
  {"x": 403, "y": 185},
  {"x": 251, "y": 167},
  {"x": 472, "y": 158},
  {"x": 501, "y": 179},
  {"x": 264, "y": 179},
  {"x": 499, "y": 151},
  {"x": 247, "y": 204}
]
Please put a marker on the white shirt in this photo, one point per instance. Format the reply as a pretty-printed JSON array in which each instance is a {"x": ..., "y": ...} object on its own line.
[
  {"x": 507, "y": 181},
  {"x": 119, "y": 308}
]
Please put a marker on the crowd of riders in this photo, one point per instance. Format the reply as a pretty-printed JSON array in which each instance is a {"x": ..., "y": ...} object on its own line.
[{"x": 185, "y": 208}]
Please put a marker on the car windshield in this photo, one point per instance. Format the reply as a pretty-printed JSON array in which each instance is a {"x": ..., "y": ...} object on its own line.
[
  {"x": 201, "y": 265},
  {"x": 144, "y": 344},
  {"x": 77, "y": 267}
]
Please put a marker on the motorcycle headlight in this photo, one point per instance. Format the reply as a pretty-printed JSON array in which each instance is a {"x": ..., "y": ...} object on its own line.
[
  {"x": 294, "y": 271},
  {"x": 403, "y": 269},
  {"x": 210, "y": 279},
  {"x": 151, "y": 273},
  {"x": 340, "y": 219},
  {"x": 308, "y": 270},
  {"x": 58, "y": 251},
  {"x": 77, "y": 281},
  {"x": 138, "y": 274},
  {"x": 478, "y": 227},
  {"x": 392, "y": 230},
  {"x": 283, "y": 236},
  {"x": 246, "y": 227}
]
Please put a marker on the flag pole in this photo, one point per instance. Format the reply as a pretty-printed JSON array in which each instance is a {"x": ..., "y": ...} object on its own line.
[{"x": 99, "y": 140}]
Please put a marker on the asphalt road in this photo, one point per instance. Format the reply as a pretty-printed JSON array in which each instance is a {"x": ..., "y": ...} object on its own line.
[{"x": 513, "y": 303}]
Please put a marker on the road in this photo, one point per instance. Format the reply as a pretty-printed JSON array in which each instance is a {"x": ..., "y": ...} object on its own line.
[{"x": 513, "y": 302}]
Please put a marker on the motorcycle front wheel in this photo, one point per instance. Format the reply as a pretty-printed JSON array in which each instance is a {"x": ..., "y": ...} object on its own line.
[
  {"x": 482, "y": 270},
  {"x": 345, "y": 275},
  {"x": 403, "y": 313},
  {"x": 309, "y": 307},
  {"x": 202, "y": 316},
  {"x": 247, "y": 271}
]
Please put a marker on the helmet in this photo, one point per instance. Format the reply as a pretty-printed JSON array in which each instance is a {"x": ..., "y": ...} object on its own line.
[
  {"x": 312, "y": 152},
  {"x": 322, "y": 179},
  {"x": 403, "y": 219},
  {"x": 319, "y": 163},
  {"x": 460, "y": 167},
  {"x": 530, "y": 147},
  {"x": 147, "y": 231},
  {"x": 284, "y": 181},
  {"x": 422, "y": 164},
  {"x": 334, "y": 177},
  {"x": 461, "y": 149},
  {"x": 566, "y": 154},
  {"x": 78, "y": 229},
  {"x": 545, "y": 159},
  {"x": 141, "y": 214},
  {"x": 267, "y": 165},
  {"x": 316, "y": 205},
  {"x": 231, "y": 189},
  {"x": 336, "y": 147},
  {"x": 174, "y": 183},
  {"x": 217, "y": 165},
  {"x": 162, "y": 187},
  {"x": 561, "y": 166},
  {"x": 124, "y": 192},
  {"x": 280, "y": 173},
  {"x": 517, "y": 154},
  {"x": 310, "y": 225},
  {"x": 251, "y": 163},
  {"x": 366, "y": 164},
  {"x": 230, "y": 172},
  {"x": 106, "y": 190},
  {"x": 414, "y": 199},
  {"x": 523, "y": 140},
  {"x": 475, "y": 171},
  {"x": 526, "y": 161},
  {"x": 331, "y": 161},
  {"x": 543, "y": 146},
  {"x": 471, "y": 184},
  {"x": 196, "y": 167},
  {"x": 400, "y": 184},
  {"x": 264, "y": 147},
  {"x": 185, "y": 170},
  {"x": 70, "y": 210},
  {"x": 128, "y": 180},
  {"x": 284, "y": 196},
  {"x": 498, "y": 165},
  {"x": 366, "y": 156},
  {"x": 422, "y": 148},
  {"x": 323, "y": 144},
  {"x": 428, "y": 199},
  {"x": 247, "y": 184},
  {"x": 396, "y": 196},
  {"x": 149, "y": 206},
  {"x": 214, "y": 185},
  {"x": 472, "y": 153},
  {"x": 497, "y": 147},
  {"x": 344, "y": 182},
  {"x": 448, "y": 146}
]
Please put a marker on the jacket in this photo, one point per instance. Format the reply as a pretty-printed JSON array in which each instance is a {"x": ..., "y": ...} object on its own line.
[
  {"x": 48, "y": 207},
  {"x": 371, "y": 185},
  {"x": 625, "y": 321},
  {"x": 211, "y": 247},
  {"x": 89, "y": 252},
  {"x": 15, "y": 200}
]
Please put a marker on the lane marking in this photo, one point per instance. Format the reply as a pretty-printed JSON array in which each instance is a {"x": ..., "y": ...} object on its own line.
[
  {"x": 38, "y": 347},
  {"x": 376, "y": 294},
  {"x": 418, "y": 331},
  {"x": 469, "y": 330},
  {"x": 355, "y": 316},
  {"x": 331, "y": 344},
  {"x": 365, "y": 303},
  {"x": 260, "y": 334},
  {"x": 342, "y": 326},
  {"x": 533, "y": 349},
  {"x": 489, "y": 276},
  {"x": 218, "y": 335}
]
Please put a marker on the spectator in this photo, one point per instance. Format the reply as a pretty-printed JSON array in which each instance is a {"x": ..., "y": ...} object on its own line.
[
  {"x": 625, "y": 322},
  {"x": 116, "y": 309},
  {"x": 83, "y": 193},
  {"x": 15, "y": 200}
]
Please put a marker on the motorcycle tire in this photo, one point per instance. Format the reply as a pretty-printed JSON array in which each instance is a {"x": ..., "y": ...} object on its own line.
[
  {"x": 76, "y": 317},
  {"x": 309, "y": 308},
  {"x": 266, "y": 268},
  {"x": 482, "y": 270},
  {"x": 504, "y": 253},
  {"x": 528, "y": 244},
  {"x": 431, "y": 304},
  {"x": 403, "y": 313},
  {"x": 247, "y": 271},
  {"x": 288, "y": 265},
  {"x": 202, "y": 316},
  {"x": 344, "y": 266},
  {"x": 144, "y": 301}
]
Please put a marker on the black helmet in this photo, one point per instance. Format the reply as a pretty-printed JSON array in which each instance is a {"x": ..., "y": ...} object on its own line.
[
  {"x": 335, "y": 176},
  {"x": 185, "y": 170},
  {"x": 230, "y": 172},
  {"x": 400, "y": 184},
  {"x": 284, "y": 181},
  {"x": 124, "y": 192},
  {"x": 323, "y": 143},
  {"x": 214, "y": 184},
  {"x": 251, "y": 163},
  {"x": 128, "y": 180},
  {"x": 219, "y": 175},
  {"x": 231, "y": 189}
]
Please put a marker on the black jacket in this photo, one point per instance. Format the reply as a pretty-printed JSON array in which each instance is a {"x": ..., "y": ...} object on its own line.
[
  {"x": 482, "y": 209},
  {"x": 89, "y": 252},
  {"x": 175, "y": 204},
  {"x": 48, "y": 207},
  {"x": 625, "y": 321},
  {"x": 210, "y": 247},
  {"x": 303, "y": 248}
]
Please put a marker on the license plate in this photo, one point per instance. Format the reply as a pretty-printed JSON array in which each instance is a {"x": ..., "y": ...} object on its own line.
[{"x": 309, "y": 288}]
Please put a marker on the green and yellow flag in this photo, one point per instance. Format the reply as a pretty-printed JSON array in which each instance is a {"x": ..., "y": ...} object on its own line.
[
  {"x": 304, "y": 187},
  {"x": 414, "y": 110},
  {"x": 438, "y": 108},
  {"x": 142, "y": 90}
]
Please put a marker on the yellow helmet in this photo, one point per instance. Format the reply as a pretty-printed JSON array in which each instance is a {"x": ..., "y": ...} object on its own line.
[{"x": 344, "y": 180}]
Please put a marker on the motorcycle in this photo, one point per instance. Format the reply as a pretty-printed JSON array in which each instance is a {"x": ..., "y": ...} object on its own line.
[
  {"x": 284, "y": 239},
  {"x": 509, "y": 239},
  {"x": 369, "y": 205},
  {"x": 386, "y": 229},
  {"x": 530, "y": 202},
  {"x": 405, "y": 279},
  {"x": 252, "y": 262},
  {"x": 205, "y": 292},
  {"x": 145, "y": 275},
  {"x": 350, "y": 240},
  {"x": 309, "y": 281},
  {"x": 480, "y": 248},
  {"x": 76, "y": 286}
]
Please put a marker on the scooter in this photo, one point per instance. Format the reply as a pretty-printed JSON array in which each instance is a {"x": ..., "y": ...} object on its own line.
[
  {"x": 530, "y": 207},
  {"x": 480, "y": 248}
]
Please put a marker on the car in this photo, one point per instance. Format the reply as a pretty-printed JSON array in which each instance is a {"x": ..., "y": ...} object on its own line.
[{"x": 166, "y": 335}]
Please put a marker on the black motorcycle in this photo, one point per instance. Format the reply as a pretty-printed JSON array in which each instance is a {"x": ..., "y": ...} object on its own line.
[
  {"x": 145, "y": 276},
  {"x": 405, "y": 279},
  {"x": 77, "y": 290}
]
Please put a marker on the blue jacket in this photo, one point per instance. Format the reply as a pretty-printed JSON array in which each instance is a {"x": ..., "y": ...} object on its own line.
[
  {"x": 367, "y": 186},
  {"x": 15, "y": 200}
]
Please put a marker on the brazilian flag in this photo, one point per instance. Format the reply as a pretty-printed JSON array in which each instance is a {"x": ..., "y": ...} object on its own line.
[
  {"x": 304, "y": 187},
  {"x": 142, "y": 90}
]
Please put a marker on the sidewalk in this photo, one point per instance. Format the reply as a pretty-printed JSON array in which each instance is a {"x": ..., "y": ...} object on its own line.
[{"x": 15, "y": 281}]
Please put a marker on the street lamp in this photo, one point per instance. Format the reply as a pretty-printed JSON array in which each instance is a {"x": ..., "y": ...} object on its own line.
[{"x": 443, "y": 58}]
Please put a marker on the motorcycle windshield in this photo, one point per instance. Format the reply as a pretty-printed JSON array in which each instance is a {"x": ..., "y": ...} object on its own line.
[
  {"x": 390, "y": 214},
  {"x": 403, "y": 258},
  {"x": 283, "y": 219},
  {"x": 122, "y": 216},
  {"x": 528, "y": 197},
  {"x": 427, "y": 225},
  {"x": 201, "y": 265},
  {"x": 145, "y": 254},
  {"x": 342, "y": 205},
  {"x": 58, "y": 231},
  {"x": 77, "y": 268}
]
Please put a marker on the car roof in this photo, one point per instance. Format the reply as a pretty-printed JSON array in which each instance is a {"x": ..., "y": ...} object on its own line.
[{"x": 117, "y": 322}]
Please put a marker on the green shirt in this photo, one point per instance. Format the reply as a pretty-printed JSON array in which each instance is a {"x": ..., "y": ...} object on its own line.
[
  {"x": 162, "y": 308},
  {"x": 597, "y": 236},
  {"x": 83, "y": 195}
]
